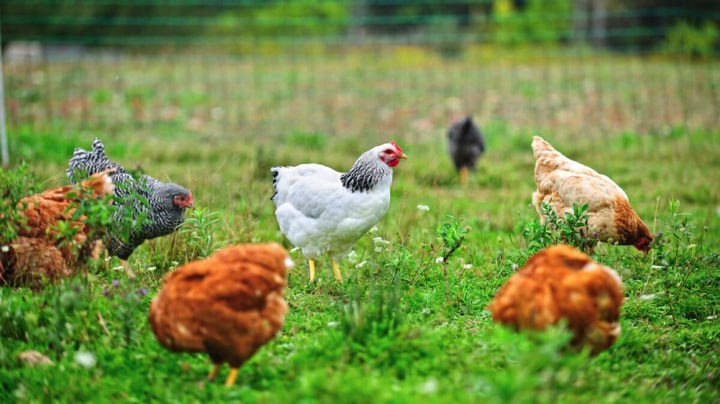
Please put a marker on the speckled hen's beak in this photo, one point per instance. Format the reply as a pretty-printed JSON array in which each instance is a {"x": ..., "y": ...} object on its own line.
[{"x": 402, "y": 156}]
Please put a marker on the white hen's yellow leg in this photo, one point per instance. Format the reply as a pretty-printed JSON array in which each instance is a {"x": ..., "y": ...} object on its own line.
[
  {"x": 214, "y": 371},
  {"x": 231, "y": 377},
  {"x": 464, "y": 176},
  {"x": 336, "y": 271},
  {"x": 311, "y": 264}
]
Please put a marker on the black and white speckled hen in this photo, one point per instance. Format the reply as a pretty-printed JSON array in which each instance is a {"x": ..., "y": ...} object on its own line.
[
  {"x": 163, "y": 213},
  {"x": 465, "y": 145}
]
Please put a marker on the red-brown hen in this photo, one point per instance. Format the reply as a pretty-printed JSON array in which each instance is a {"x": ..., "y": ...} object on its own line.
[
  {"x": 559, "y": 283},
  {"x": 227, "y": 305}
]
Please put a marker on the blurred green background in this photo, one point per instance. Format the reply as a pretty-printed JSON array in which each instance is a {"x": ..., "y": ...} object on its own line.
[{"x": 358, "y": 68}]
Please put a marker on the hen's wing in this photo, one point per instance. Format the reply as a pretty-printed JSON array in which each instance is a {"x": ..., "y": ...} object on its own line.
[
  {"x": 562, "y": 189},
  {"x": 286, "y": 179}
]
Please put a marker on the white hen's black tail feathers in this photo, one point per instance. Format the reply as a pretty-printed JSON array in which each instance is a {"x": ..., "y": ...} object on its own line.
[{"x": 275, "y": 173}]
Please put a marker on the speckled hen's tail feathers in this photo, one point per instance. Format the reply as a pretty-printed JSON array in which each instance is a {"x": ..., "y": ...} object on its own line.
[{"x": 85, "y": 163}]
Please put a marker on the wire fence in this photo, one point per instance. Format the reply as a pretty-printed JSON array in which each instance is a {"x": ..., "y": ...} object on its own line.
[{"x": 265, "y": 69}]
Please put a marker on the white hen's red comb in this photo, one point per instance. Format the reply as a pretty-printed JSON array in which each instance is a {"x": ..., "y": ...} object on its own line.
[{"x": 399, "y": 149}]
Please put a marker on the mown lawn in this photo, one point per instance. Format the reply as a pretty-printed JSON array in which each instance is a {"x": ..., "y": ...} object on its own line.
[{"x": 391, "y": 332}]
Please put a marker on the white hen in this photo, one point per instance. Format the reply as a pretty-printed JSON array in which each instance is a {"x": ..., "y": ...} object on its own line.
[{"x": 324, "y": 212}]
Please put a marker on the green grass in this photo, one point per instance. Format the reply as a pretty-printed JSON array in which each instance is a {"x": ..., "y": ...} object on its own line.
[{"x": 391, "y": 332}]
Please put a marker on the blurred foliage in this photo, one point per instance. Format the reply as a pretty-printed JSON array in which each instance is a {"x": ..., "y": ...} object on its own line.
[
  {"x": 692, "y": 42},
  {"x": 283, "y": 21},
  {"x": 14, "y": 185},
  {"x": 540, "y": 22},
  {"x": 268, "y": 26}
]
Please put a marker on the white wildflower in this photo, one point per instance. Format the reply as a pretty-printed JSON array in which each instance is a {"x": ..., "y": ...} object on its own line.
[
  {"x": 5, "y": 248},
  {"x": 373, "y": 229},
  {"x": 360, "y": 264},
  {"x": 467, "y": 266},
  {"x": 515, "y": 267},
  {"x": 296, "y": 249},
  {"x": 657, "y": 267},
  {"x": 85, "y": 359},
  {"x": 379, "y": 240},
  {"x": 332, "y": 324},
  {"x": 647, "y": 297},
  {"x": 423, "y": 208},
  {"x": 439, "y": 260},
  {"x": 430, "y": 386},
  {"x": 353, "y": 257}
]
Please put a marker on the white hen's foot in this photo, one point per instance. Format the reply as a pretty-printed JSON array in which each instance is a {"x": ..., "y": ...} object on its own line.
[
  {"x": 311, "y": 264},
  {"x": 336, "y": 271}
]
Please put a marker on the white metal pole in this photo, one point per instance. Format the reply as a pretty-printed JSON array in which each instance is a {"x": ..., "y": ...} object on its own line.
[{"x": 3, "y": 131}]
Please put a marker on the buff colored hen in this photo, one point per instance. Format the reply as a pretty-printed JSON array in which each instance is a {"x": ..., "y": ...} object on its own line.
[
  {"x": 227, "y": 305},
  {"x": 562, "y": 183},
  {"x": 560, "y": 283}
]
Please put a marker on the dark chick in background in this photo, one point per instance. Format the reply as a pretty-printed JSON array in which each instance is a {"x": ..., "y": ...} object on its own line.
[{"x": 466, "y": 145}]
